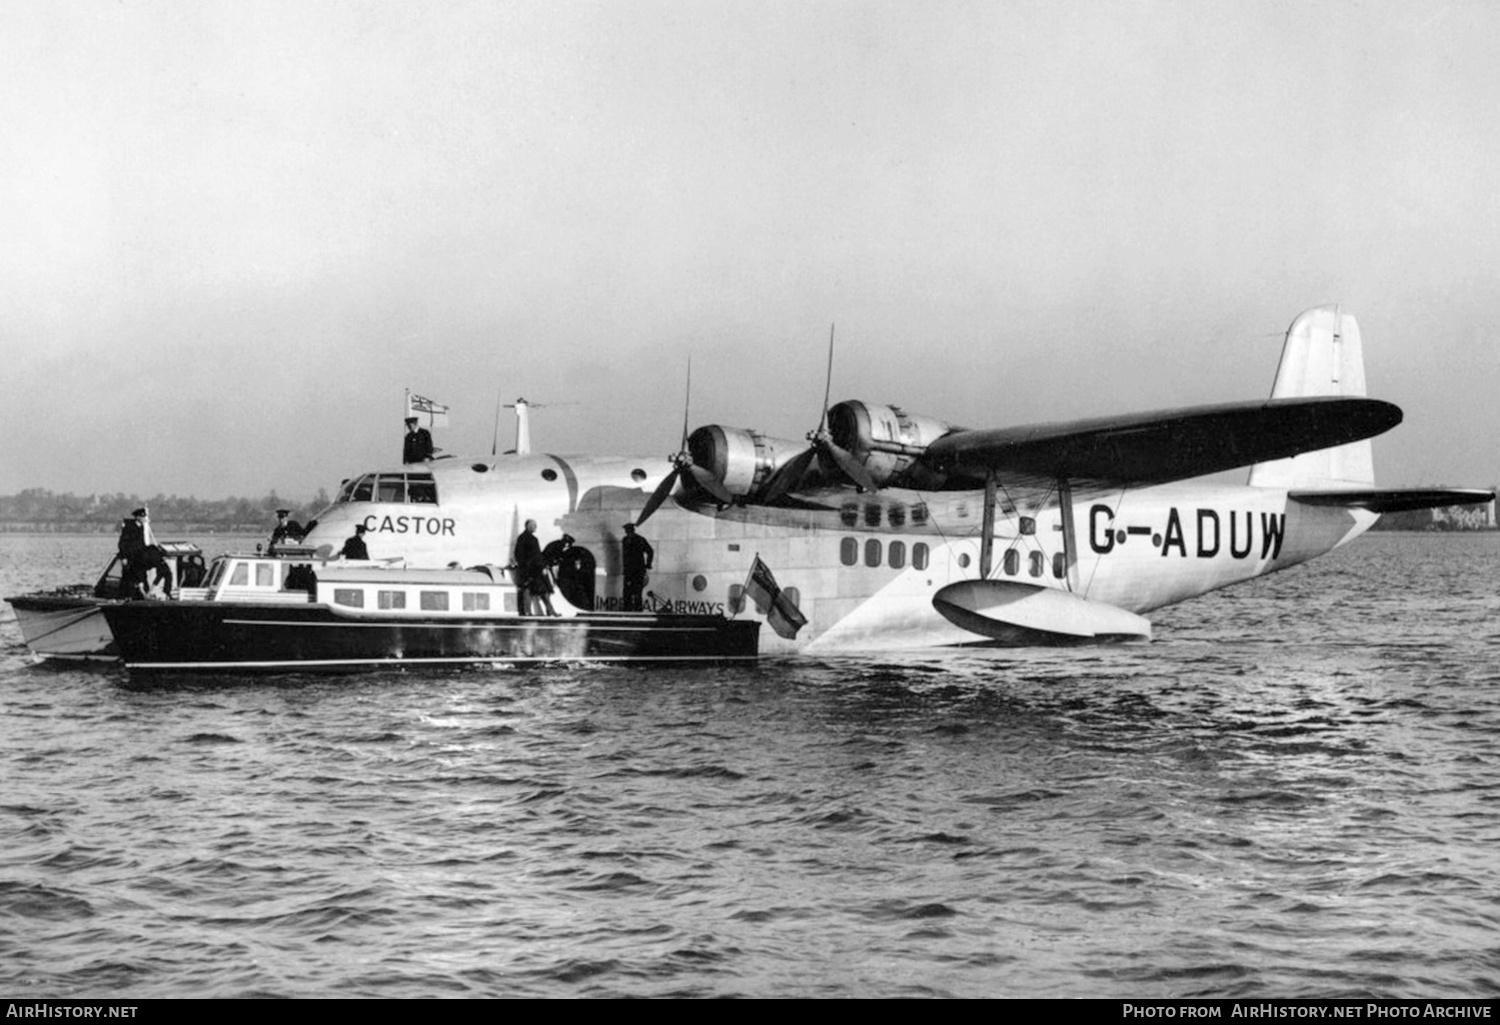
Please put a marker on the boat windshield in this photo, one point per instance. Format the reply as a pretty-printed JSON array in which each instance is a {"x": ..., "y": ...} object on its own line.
[{"x": 411, "y": 488}]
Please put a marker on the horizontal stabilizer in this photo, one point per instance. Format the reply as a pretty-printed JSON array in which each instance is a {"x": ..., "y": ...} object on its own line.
[
  {"x": 1167, "y": 445},
  {"x": 1389, "y": 500},
  {"x": 1017, "y": 613}
]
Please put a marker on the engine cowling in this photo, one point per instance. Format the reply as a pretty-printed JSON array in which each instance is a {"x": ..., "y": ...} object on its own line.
[
  {"x": 888, "y": 441},
  {"x": 739, "y": 459}
]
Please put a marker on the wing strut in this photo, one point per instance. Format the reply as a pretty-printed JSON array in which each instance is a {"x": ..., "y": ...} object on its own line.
[
  {"x": 987, "y": 531},
  {"x": 1070, "y": 537}
]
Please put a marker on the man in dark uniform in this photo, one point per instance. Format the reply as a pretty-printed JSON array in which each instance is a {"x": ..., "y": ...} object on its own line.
[
  {"x": 286, "y": 530},
  {"x": 354, "y": 547},
  {"x": 418, "y": 445},
  {"x": 574, "y": 568},
  {"x": 132, "y": 551},
  {"x": 532, "y": 586},
  {"x": 639, "y": 557}
]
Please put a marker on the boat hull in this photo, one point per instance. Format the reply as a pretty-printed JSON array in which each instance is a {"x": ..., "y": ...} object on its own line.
[
  {"x": 246, "y": 637},
  {"x": 65, "y": 627}
]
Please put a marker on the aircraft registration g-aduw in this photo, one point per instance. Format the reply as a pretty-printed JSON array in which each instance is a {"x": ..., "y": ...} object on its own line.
[{"x": 888, "y": 530}]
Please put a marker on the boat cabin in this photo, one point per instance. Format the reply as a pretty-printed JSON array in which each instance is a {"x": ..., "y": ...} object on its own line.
[{"x": 360, "y": 588}]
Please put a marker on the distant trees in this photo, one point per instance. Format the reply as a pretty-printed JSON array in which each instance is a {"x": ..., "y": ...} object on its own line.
[{"x": 40, "y": 509}]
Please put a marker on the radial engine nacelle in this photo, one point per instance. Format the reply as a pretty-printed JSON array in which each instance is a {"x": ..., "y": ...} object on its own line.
[
  {"x": 741, "y": 460},
  {"x": 888, "y": 441}
]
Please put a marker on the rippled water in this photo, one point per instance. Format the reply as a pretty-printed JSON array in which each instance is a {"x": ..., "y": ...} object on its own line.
[{"x": 1294, "y": 791}]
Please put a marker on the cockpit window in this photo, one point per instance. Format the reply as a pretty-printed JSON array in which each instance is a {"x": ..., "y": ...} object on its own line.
[{"x": 390, "y": 487}]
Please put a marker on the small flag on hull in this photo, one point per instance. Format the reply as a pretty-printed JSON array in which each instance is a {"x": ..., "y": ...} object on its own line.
[
  {"x": 781, "y": 612},
  {"x": 436, "y": 413}
]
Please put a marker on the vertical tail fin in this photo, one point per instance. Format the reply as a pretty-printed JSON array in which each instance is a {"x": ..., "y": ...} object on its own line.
[{"x": 1322, "y": 356}]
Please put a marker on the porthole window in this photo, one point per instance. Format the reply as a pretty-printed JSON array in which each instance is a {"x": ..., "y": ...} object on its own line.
[
  {"x": 872, "y": 553},
  {"x": 919, "y": 556},
  {"x": 1012, "y": 562},
  {"x": 963, "y": 560},
  {"x": 700, "y": 582},
  {"x": 549, "y": 474},
  {"x": 848, "y": 551},
  {"x": 637, "y": 475},
  {"x": 897, "y": 555},
  {"x": 1038, "y": 562}
]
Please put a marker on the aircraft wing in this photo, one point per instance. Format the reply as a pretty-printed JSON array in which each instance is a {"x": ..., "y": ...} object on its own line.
[{"x": 1157, "y": 447}]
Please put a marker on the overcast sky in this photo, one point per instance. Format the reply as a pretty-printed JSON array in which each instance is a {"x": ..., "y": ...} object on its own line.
[{"x": 235, "y": 232}]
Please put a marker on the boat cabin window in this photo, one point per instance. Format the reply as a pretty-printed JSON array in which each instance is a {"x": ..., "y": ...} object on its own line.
[
  {"x": 473, "y": 602},
  {"x": 408, "y": 488},
  {"x": 241, "y": 575},
  {"x": 392, "y": 599},
  {"x": 435, "y": 601},
  {"x": 353, "y": 597}
]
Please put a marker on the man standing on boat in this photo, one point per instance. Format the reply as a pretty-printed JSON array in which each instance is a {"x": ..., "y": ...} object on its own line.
[
  {"x": 286, "y": 530},
  {"x": 532, "y": 586},
  {"x": 134, "y": 537},
  {"x": 639, "y": 556},
  {"x": 354, "y": 547},
  {"x": 418, "y": 445}
]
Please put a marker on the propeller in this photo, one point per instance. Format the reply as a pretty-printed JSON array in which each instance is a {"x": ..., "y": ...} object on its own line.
[
  {"x": 682, "y": 462},
  {"x": 787, "y": 476}
]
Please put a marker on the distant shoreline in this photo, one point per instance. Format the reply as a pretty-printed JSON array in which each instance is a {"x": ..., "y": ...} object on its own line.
[{"x": 163, "y": 527}]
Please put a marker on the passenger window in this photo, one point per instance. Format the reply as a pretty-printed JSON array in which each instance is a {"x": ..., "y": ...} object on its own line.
[
  {"x": 435, "y": 601},
  {"x": 1059, "y": 565},
  {"x": 392, "y": 599},
  {"x": 350, "y": 596},
  {"x": 421, "y": 491},
  {"x": 737, "y": 598},
  {"x": 848, "y": 551},
  {"x": 872, "y": 514},
  {"x": 476, "y": 602},
  {"x": 241, "y": 576},
  {"x": 1037, "y": 563},
  {"x": 265, "y": 574},
  {"x": 1012, "y": 562},
  {"x": 897, "y": 554},
  {"x": 872, "y": 553},
  {"x": 919, "y": 556}
]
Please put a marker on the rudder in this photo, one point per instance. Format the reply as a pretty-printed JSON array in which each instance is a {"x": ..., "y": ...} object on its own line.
[{"x": 1322, "y": 355}]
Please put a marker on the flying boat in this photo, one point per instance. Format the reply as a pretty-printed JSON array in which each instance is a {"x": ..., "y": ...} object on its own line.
[{"x": 883, "y": 529}]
